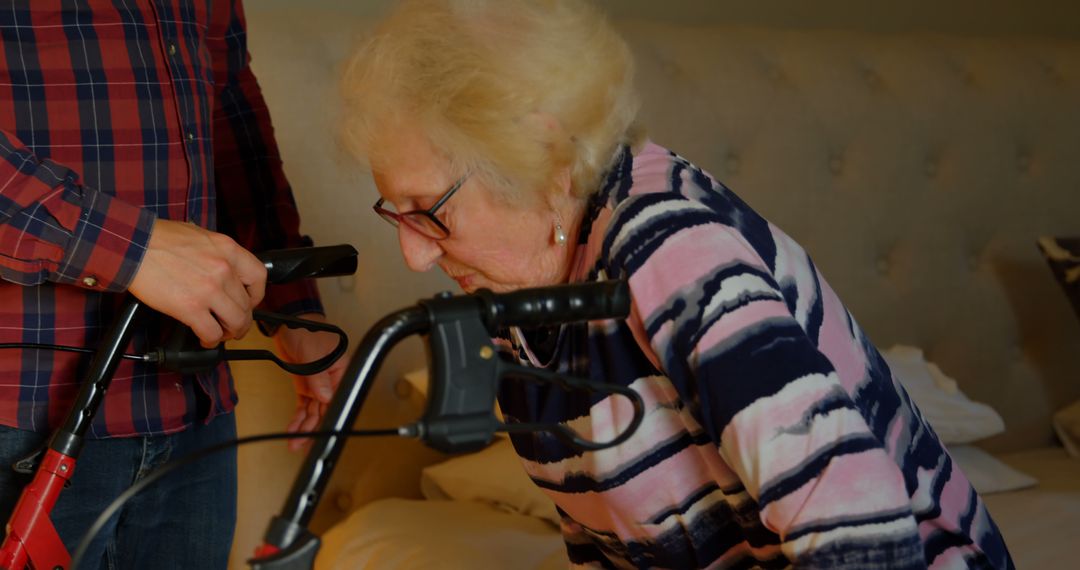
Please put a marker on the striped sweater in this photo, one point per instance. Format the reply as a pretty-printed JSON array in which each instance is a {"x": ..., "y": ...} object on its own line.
[{"x": 775, "y": 434}]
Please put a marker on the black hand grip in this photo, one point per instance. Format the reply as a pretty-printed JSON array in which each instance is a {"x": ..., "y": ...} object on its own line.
[
  {"x": 284, "y": 265},
  {"x": 182, "y": 352},
  {"x": 555, "y": 304}
]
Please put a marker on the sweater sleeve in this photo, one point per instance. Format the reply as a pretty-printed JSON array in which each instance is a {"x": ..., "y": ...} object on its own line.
[{"x": 715, "y": 317}]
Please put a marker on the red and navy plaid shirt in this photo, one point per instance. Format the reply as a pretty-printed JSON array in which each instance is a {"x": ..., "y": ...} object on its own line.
[{"x": 114, "y": 113}]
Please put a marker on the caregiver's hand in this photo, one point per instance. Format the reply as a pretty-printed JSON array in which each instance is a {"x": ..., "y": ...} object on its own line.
[{"x": 200, "y": 278}]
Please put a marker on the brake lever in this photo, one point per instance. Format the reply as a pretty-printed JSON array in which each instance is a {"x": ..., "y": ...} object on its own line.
[
  {"x": 466, "y": 371},
  {"x": 183, "y": 353},
  {"x": 299, "y": 369}
]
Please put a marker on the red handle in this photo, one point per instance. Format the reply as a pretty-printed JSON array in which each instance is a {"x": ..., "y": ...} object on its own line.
[{"x": 31, "y": 536}]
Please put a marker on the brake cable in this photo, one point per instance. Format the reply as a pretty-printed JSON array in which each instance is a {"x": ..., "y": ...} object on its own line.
[{"x": 182, "y": 353}]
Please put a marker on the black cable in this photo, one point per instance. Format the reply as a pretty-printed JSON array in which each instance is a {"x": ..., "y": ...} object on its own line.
[
  {"x": 171, "y": 466},
  {"x": 63, "y": 348}
]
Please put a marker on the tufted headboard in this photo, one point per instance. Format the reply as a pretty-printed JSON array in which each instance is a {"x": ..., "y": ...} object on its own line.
[{"x": 918, "y": 171}]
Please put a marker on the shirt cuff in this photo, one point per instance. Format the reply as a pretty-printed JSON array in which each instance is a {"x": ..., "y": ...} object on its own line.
[{"x": 108, "y": 244}]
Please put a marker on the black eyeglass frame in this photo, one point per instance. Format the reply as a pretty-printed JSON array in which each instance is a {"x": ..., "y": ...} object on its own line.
[{"x": 397, "y": 218}]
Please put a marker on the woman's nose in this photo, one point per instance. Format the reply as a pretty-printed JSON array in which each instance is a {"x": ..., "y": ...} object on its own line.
[{"x": 420, "y": 252}]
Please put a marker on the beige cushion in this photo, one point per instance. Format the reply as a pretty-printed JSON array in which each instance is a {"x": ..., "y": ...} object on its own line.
[
  {"x": 397, "y": 534},
  {"x": 493, "y": 476}
]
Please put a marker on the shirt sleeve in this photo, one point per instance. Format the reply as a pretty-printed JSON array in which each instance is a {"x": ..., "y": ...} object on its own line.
[
  {"x": 255, "y": 203},
  {"x": 716, "y": 320},
  {"x": 52, "y": 228}
]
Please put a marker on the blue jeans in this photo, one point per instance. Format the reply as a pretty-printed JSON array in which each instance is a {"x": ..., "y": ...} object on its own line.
[{"x": 183, "y": 521}]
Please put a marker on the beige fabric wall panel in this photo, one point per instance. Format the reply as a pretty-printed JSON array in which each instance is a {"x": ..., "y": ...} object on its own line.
[
  {"x": 1056, "y": 18},
  {"x": 917, "y": 170}
]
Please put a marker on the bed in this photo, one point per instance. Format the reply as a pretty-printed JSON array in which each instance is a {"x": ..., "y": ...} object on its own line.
[
  {"x": 481, "y": 511},
  {"x": 936, "y": 159},
  {"x": 1039, "y": 524}
]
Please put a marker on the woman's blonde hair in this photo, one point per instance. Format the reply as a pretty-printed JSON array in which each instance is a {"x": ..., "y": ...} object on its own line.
[{"x": 483, "y": 79}]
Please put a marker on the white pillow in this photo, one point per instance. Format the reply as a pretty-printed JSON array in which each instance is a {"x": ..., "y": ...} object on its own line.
[
  {"x": 986, "y": 473},
  {"x": 954, "y": 417},
  {"x": 494, "y": 476}
]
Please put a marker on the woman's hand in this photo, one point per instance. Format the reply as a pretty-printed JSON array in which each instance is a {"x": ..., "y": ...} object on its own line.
[
  {"x": 200, "y": 278},
  {"x": 313, "y": 393}
]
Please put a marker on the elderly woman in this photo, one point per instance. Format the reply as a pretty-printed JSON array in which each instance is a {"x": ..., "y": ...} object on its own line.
[{"x": 501, "y": 135}]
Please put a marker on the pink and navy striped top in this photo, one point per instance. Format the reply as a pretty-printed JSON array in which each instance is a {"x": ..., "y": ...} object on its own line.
[{"x": 775, "y": 434}]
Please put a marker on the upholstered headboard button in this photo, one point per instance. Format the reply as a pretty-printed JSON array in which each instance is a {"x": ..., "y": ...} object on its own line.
[
  {"x": 973, "y": 262},
  {"x": 673, "y": 70},
  {"x": 873, "y": 80},
  {"x": 836, "y": 163},
  {"x": 775, "y": 74},
  {"x": 1053, "y": 73},
  {"x": 731, "y": 163},
  {"x": 882, "y": 266},
  {"x": 964, "y": 74},
  {"x": 1023, "y": 161},
  {"x": 930, "y": 167}
]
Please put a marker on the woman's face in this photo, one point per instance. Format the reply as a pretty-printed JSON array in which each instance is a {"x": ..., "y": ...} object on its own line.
[{"x": 494, "y": 244}]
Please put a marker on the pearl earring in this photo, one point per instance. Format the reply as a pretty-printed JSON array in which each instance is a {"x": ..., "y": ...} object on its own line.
[{"x": 560, "y": 235}]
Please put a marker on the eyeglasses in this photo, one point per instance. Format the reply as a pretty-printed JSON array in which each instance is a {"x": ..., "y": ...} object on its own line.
[{"x": 423, "y": 221}]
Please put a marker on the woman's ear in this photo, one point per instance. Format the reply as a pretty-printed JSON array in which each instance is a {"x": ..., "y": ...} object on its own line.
[
  {"x": 563, "y": 181},
  {"x": 559, "y": 192},
  {"x": 559, "y": 147}
]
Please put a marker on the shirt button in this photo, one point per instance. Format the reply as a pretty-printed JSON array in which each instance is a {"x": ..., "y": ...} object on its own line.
[
  {"x": 172, "y": 49},
  {"x": 190, "y": 136},
  {"x": 89, "y": 281}
]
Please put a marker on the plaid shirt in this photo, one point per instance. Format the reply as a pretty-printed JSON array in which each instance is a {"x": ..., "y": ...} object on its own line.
[{"x": 114, "y": 113}]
